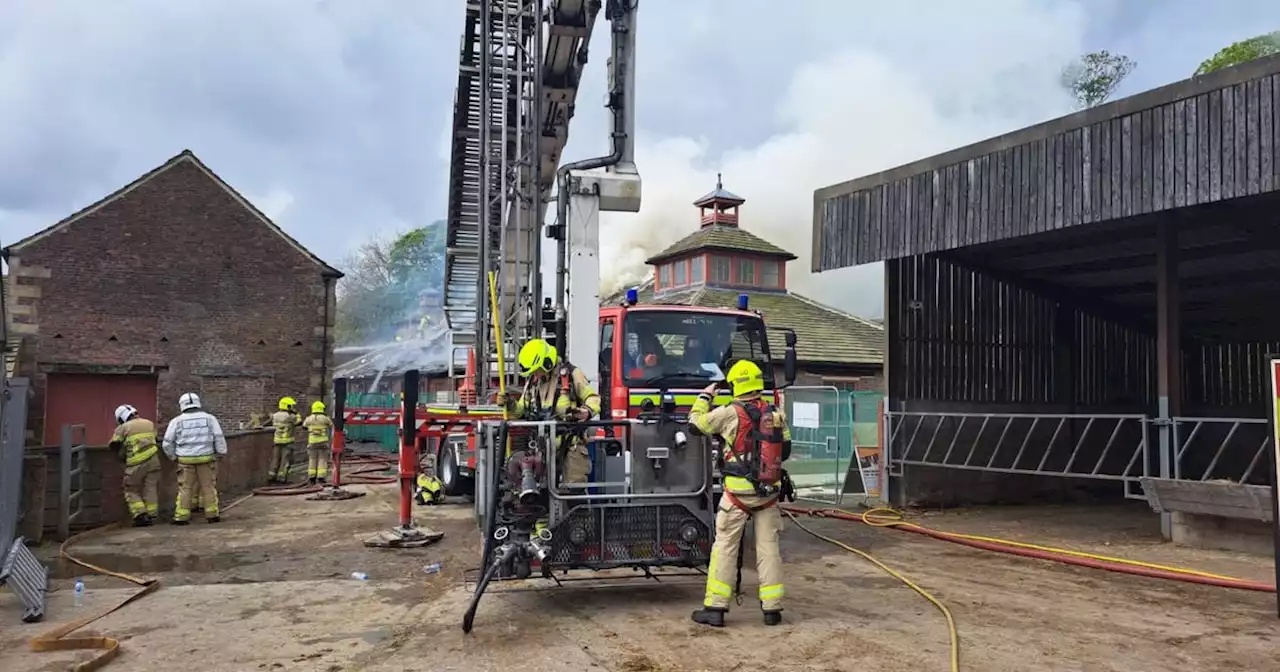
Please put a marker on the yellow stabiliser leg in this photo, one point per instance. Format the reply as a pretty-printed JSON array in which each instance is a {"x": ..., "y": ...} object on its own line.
[{"x": 946, "y": 613}]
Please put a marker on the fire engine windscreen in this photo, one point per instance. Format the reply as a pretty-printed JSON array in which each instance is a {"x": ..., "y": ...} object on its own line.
[{"x": 670, "y": 348}]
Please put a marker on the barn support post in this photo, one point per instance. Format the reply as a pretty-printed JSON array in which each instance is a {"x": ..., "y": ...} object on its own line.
[
  {"x": 1168, "y": 353},
  {"x": 894, "y": 488}
]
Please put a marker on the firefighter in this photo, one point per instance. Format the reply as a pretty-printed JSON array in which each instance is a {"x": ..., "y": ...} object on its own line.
[
  {"x": 757, "y": 441},
  {"x": 285, "y": 421},
  {"x": 319, "y": 427},
  {"x": 135, "y": 439},
  {"x": 196, "y": 441},
  {"x": 556, "y": 388}
]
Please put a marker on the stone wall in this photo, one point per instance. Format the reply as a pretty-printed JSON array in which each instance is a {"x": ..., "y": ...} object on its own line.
[{"x": 243, "y": 469}]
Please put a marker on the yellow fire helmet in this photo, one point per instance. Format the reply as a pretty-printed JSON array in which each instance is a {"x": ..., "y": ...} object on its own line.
[
  {"x": 537, "y": 355},
  {"x": 746, "y": 377},
  {"x": 318, "y": 406},
  {"x": 287, "y": 403}
]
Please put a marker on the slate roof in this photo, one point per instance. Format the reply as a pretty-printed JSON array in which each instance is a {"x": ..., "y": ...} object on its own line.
[
  {"x": 185, "y": 156},
  {"x": 721, "y": 237},
  {"x": 823, "y": 334}
]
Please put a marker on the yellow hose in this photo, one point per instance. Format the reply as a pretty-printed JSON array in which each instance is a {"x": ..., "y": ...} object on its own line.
[
  {"x": 887, "y": 517},
  {"x": 496, "y": 318},
  {"x": 946, "y": 613}
]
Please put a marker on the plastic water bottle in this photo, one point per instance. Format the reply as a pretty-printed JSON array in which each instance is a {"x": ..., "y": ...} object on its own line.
[
  {"x": 359, "y": 576},
  {"x": 79, "y": 593},
  {"x": 433, "y": 567}
]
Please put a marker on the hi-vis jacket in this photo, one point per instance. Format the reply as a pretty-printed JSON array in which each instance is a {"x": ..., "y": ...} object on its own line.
[
  {"x": 724, "y": 421},
  {"x": 567, "y": 388},
  {"x": 194, "y": 437},
  {"x": 284, "y": 423},
  {"x": 318, "y": 427},
  {"x": 137, "y": 441}
]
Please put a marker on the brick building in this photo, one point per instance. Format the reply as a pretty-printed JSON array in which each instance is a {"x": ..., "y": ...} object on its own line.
[
  {"x": 173, "y": 283},
  {"x": 719, "y": 260}
]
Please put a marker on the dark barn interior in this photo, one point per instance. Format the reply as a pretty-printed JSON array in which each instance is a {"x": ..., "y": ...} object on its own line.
[{"x": 1085, "y": 304}]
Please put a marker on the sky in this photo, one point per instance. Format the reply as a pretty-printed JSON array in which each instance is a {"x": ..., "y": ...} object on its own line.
[{"x": 332, "y": 116}]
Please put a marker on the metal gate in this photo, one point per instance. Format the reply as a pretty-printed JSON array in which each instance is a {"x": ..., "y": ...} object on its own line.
[{"x": 1108, "y": 447}]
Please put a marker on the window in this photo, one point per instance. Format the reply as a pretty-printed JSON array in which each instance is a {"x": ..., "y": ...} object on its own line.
[
  {"x": 695, "y": 272},
  {"x": 746, "y": 271},
  {"x": 686, "y": 348},
  {"x": 606, "y": 364},
  {"x": 769, "y": 274},
  {"x": 666, "y": 275},
  {"x": 680, "y": 273},
  {"x": 719, "y": 269}
]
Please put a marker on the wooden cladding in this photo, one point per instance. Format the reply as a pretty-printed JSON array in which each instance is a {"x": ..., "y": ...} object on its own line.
[
  {"x": 956, "y": 335},
  {"x": 1219, "y": 144}
]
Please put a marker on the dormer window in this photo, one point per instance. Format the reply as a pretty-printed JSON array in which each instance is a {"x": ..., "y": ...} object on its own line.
[
  {"x": 746, "y": 272},
  {"x": 720, "y": 269}
]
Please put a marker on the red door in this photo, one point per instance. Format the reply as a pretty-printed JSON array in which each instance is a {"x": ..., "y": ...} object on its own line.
[{"x": 91, "y": 400}]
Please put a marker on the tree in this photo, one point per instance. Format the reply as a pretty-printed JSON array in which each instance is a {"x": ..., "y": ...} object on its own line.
[
  {"x": 1242, "y": 52},
  {"x": 1093, "y": 77},
  {"x": 385, "y": 278}
]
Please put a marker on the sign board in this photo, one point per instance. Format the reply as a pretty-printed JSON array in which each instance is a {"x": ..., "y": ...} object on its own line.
[
  {"x": 809, "y": 414},
  {"x": 1273, "y": 416}
]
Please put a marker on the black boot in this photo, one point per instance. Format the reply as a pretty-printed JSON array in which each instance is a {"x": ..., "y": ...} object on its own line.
[
  {"x": 197, "y": 509},
  {"x": 320, "y": 480},
  {"x": 214, "y": 519},
  {"x": 312, "y": 480},
  {"x": 181, "y": 522},
  {"x": 141, "y": 520},
  {"x": 772, "y": 617},
  {"x": 710, "y": 616}
]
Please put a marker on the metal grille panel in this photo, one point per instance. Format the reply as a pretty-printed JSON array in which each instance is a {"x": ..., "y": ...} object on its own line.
[{"x": 627, "y": 535}]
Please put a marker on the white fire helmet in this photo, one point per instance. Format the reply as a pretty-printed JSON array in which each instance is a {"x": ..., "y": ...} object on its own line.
[
  {"x": 188, "y": 401},
  {"x": 124, "y": 413}
]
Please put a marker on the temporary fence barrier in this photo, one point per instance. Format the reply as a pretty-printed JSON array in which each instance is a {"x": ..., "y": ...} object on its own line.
[
  {"x": 384, "y": 436},
  {"x": 829, "y": 426}
]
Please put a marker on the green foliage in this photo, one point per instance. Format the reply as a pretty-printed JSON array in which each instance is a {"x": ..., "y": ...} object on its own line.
[
  {"x": 1242, "y": 52},
  {"x": 385, "y": 281},
  {"x": 1093, "y": 77}
]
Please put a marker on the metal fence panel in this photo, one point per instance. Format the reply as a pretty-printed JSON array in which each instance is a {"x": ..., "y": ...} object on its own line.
[
  {"x": 72, "y": 464},
  {"x": 13, "y": 427},
  {"x": 823, "y": 437}
]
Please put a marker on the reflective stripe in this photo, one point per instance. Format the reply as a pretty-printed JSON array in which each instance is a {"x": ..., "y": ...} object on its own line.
[
  {"x": 198, "y": 459},
  {"x": 636, "y": 399},
  {"x": 719, "y": 588},
  {"x": 739, "y": 485},
  {"x": 774, "y": 592},
  {"x": 138, "y": 458}
]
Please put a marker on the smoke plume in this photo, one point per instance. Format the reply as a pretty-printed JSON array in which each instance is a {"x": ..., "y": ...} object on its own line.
[{"x": 866, "y": 103}]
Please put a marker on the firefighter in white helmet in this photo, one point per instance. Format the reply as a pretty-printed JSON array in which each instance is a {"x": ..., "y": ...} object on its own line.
[
  {"x": 196, "y": 441},
  {"x": 135, "y": 439}
]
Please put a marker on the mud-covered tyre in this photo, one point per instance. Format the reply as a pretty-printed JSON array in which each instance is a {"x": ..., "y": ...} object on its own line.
[{"x": 455, "y": 484}]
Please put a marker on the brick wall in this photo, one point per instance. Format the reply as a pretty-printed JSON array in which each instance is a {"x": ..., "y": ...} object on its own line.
[
  {"x": 244, "y": 468},
  {"x": 176, "y": 277}
]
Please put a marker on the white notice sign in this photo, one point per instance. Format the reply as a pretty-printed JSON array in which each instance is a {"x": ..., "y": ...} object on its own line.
[{"x": 805, "y": 414}]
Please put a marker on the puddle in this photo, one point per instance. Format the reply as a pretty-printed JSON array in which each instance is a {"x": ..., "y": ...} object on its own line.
[{"x": 156, "y": 564}]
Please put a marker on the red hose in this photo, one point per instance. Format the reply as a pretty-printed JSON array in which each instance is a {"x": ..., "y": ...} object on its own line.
[
  {"x": 365, "y": 466},
  {"x": 1046, "y": 555}
]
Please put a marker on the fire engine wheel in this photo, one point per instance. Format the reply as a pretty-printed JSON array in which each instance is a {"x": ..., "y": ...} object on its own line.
[{"x": 455, "y": 484}]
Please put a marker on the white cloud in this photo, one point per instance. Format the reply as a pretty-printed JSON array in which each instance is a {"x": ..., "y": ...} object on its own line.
[{"x": 864, "y": 105}]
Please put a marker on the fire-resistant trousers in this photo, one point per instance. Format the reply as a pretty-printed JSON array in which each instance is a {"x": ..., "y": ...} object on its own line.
[
  {"x": 317, "y": 460},
  {"x": 140, "y": 487},
  {"x": 192, "y": 477},
  {"x": 731, "y": 523},
  {"x": 280, "y": 461},
  {"x": 577, "y": 464}
]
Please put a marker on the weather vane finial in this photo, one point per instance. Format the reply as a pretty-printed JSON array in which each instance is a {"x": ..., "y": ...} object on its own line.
[{"x": 719, "y": 182}]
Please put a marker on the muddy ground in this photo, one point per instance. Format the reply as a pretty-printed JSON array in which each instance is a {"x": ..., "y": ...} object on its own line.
[{"x": 270, "y": 589}]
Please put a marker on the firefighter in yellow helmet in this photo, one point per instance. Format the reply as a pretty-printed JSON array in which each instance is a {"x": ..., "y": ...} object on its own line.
[
  {"x": 319, "y": 431},
  {"x": 757, "y": 441},
  {"x": 135, "y": 439},
  {"x": 284, "y": 421},
  {"x": 556, "y": 388}
]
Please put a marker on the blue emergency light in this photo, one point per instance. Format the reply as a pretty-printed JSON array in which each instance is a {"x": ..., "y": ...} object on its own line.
[
  {"x": 633, "y": 296},
  {"x": 742, "y": 302}
]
